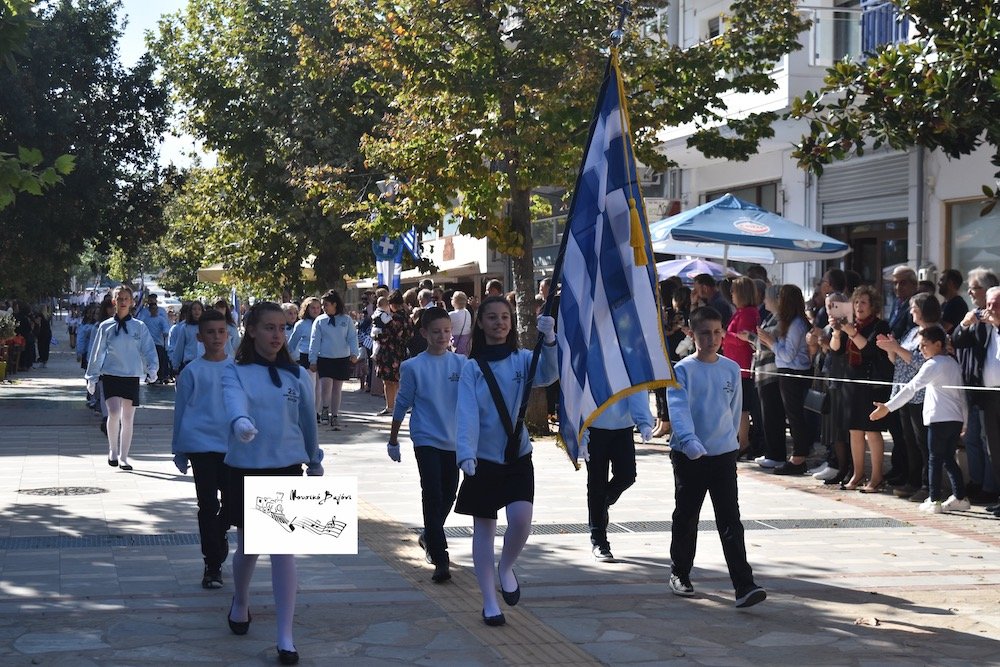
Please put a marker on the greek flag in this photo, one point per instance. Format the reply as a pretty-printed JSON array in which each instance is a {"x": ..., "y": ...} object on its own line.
[
  {"x": 388, "y": 261},
  {"x": 610, "y": 335},
  {"x": 412, "y": 243}
]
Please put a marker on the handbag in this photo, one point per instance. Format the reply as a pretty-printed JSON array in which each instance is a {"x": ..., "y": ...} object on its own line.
[{"x": 817, "y": 401}]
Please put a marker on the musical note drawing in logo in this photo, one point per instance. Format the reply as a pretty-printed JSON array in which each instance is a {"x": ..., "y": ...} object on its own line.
[{"x": 273, "y": 508}]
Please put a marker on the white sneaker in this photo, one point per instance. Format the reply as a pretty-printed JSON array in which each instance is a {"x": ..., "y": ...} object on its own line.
[
  {"x": 931, "y": 506},
  {"x": 953, "y": 504},
  {"x": 829, "y": 473},
  {"x": 765, "y": 462},
  {"x": 816, "y": 471}
]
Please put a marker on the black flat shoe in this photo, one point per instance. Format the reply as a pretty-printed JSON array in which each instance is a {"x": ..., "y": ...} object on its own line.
[
  {"x": 494, "y": 621},
  {"x": 113, "y": 463},
  {"x": 242, "y": 627},
  {"x": 510, "y": 598},
  {"x": 125, "y": 466},
  {"x": 789, "y": 468},
  {"x": 288, "y": 657}
]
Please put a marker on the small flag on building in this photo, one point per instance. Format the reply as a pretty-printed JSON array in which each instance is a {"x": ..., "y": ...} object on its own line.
[{"x": 388, "y": 261}]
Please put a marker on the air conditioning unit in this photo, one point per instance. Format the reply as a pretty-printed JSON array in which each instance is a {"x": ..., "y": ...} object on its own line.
[{"x": 658, "y": 208}]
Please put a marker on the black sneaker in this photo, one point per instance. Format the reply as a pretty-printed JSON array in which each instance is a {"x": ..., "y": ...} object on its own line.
[
  {"x": 441, "y": 573},
  {"x": 751, "y": 597},
  {"x": 602, "y": 553},
  {"x": 423, "y": 545},
  {"x": 212, "y": 577},
  {"x": 681, "y": 586}
]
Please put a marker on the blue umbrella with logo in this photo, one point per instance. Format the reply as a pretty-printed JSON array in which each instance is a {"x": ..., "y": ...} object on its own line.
[{"x": 732, "y": 228}]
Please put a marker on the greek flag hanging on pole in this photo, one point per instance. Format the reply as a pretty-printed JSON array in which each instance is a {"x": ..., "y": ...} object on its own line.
[
  {"x": 610, "y": 334},
  {"x": 388, "y": 261}
]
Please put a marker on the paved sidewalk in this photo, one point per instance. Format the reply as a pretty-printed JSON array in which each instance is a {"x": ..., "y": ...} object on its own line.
[{"x": 100, "y": 566}]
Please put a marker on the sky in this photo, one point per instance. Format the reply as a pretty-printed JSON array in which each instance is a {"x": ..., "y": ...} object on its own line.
[{"x": 142, "y": 16}]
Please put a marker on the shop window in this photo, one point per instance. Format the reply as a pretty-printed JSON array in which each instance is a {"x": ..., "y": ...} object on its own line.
[{"x": 975, "y": 238}]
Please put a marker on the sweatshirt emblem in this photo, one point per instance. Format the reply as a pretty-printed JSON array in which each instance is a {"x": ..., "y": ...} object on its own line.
[
  {"x": 291, "y": 395},
  {"x": 454, "y": 377},
  {"x": 729, "y": 388},
  {"x": 518, "y": 377}
]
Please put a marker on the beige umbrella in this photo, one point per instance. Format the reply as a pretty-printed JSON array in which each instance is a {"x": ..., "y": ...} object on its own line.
[{"x": 215, "y": 273}]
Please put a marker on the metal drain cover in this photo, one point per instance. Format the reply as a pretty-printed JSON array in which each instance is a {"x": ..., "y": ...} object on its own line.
[{"x": 64, "y": 491}]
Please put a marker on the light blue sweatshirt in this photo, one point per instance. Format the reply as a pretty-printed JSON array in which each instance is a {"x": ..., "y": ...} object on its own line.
[
  {"x": 480, "y": 433},
  {"x": 706, "y": 406},
  {"x": 84, "y": 339},
  {"x": 187, "y": 348},
  {"x": 200, "y": 416},
  {"x": 428, "y": 383},
  {"x": 633, "y": 410},
  {"x": 114, "y": 352},
  {"x": 791, "y": 351},
  {"x": 298, "y": 342},
  {"x": 285, "y": 417},
  {"x": 158, "y": 325},
  {"x": 333, "y": 341},
  {"x": 232, "y": 341},
  {"x": 173, "y": 337}
]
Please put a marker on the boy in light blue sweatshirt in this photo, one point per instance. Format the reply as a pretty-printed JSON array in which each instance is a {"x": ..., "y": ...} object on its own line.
[
  {"x": 201, "y": 440},
  {"x": 429, "y": 385},
  {"x": 608, "y": 445},
  {"x": 705, "y": 414}
]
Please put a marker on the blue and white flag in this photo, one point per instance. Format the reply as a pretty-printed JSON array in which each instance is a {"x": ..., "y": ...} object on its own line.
[
  {"x": 412, "y": 243},
  {"x": 234, "y": 300},
  {"x": 610, "y": 334},
  {"x": 388, "y": 261}
]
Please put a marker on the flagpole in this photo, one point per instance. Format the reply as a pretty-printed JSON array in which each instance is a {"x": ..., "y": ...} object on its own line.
[{"x": 624, "y": 9}]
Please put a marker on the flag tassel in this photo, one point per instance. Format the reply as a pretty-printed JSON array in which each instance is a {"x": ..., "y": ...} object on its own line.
[{"x": 637, "y": 239}]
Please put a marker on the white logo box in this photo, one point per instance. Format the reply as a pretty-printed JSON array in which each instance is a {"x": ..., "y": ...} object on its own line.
[{"x": 300, "y": 515}]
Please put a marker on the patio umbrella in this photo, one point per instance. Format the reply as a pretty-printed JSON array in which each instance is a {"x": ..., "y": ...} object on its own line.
[
  {"x": 687, "y": 269},
  {"x": 735, "y": 229}
]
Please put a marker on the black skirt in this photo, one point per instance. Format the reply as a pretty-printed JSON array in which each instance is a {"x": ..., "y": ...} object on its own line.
[
  {"x": 496, "y": 485},
  {"x": 304, "y": 360},
  {"x": 232, "y": 508},
  {"x": 121, "y": 387},
  {"x": 338, "y": 369}
]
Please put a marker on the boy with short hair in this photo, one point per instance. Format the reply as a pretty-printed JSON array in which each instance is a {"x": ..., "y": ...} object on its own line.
[
  {"x": 705, "y": 414},
  {"x": 200, "y": 437},
  {"x": 429, "y": 385},
  {"x": 945, "y": 412}
]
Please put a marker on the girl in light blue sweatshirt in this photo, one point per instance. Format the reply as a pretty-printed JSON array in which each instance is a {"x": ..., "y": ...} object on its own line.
[
  {"x": 333, "y": 351},
  {"x": 121, "y": 354},
  {"x": 298, "y": 342},
  {"x": 493, "y": 450},
  {"x": 269, "y": 403},
  {"x": 187, "y": 348}
]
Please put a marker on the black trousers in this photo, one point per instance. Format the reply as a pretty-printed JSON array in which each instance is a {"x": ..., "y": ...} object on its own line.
[
  {"x": 899, "y": 458},
  {"x": 611, "y": 450},
  {"x": 943, "y": 439},
  {"x": 989, "y": 403},
  {"x": 211, "y": 481},
  {"x": 438, "y": 486},
  {"x": 164, "y": 371},
  {"x": 716, "y": 476},
  {"x": 911, "y": 419},
  {"x": 773, "y": 421},
  {"x": 793, "y": 396}
]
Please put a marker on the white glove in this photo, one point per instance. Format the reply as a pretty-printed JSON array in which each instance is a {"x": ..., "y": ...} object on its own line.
[
  {"x": 468, "y": 466},
  {"x": 392, "y": 449},
  {"x": 314, "y": 469},
  {"x": 646, "y": 433},
  {"x": 547, "y": 326},
  {"x": 150, "y": 378},
  {"x": 584, "y": 450},
  {"x": 244, "y": 429},
  {"x": 376, "y": 331},
  {"x": 181, "y": 462},
  {"x": 91, "y": 387},
  {"x": 695, "y": 450}
]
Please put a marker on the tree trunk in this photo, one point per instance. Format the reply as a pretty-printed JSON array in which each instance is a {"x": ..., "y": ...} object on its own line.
[{"x": 536, "y": 416}]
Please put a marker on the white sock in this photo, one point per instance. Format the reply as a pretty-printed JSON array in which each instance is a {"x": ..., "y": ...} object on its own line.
[
  {"x": 483, "y": 533},
  {"x": 285, "y": 585}
]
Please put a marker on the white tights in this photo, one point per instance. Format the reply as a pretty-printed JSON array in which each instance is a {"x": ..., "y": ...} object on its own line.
[
  {"x": 483, "y": 534},
  {"x": 284, "y": 584},
  {"x": 121, "y": 414},
  {"x": 331, "y": 390}
]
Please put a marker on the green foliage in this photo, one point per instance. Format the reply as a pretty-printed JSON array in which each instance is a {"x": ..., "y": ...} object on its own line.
[
  {"x": 8, "y": 325},
  {"x": 69, "y": 96},
  {"x": 290, "y": 172},
  {"x": 940, "y": 91},
  {"x": 490, "y": 100}
]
